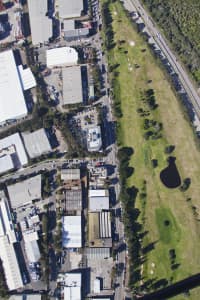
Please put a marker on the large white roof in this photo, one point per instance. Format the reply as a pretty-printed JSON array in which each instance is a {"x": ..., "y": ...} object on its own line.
[
  {"x": 24, "y": 192},
  {"x": 98, "y": 193},
  {"x": 72, "y": 289},
  {"x": 10, "y": 264},
  {"x": 70, "y": 8},
  {"x": 15, "y": 140},
  {"x": 12, "y": 102},
  {"x": 72, "y": 233},
  {"x": 27, "y": 78},
  {"x": 63, "y": 56},
  {"x": 6, "y": 164},
  {"x": 98, "y": 203},
  {"x": 6, "y": 225},
  {"x": 32, "y": 251},
  {"x": 41, "y": 25}
]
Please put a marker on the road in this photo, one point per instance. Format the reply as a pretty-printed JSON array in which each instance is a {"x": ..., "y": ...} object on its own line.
[{"x": 135, "y": 5}]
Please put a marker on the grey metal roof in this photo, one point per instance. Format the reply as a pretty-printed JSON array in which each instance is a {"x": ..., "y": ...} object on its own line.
[
  {"x": 76, "y": 33},
  {"x": 70, "y": 174},
  {"x": 72, "y": 85},
  {"x": 70, "y": 8},
  {"x": 73, "y": 200},
  {"x": 97, "y": 253},
  {"x": 24, "y": 192},
  {"x": 41, "y": 25},
  {"x": 36, "y": 143}
]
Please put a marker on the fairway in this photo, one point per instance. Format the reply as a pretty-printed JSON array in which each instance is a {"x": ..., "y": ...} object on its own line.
[{"x": 137, "y": 73}]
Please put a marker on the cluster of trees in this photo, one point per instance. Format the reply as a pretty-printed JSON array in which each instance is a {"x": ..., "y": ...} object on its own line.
[
  {"x": 152, "y": 127},
  {"x": 130, "y": 217},
  {"x": 180, "y": 22}
]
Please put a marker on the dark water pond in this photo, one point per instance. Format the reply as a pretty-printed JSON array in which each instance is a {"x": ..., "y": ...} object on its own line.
[{"x": 170, "y": 176}]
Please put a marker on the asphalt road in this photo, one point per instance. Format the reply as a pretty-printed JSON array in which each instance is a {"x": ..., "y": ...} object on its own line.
[{"x": 135, "y": 5}]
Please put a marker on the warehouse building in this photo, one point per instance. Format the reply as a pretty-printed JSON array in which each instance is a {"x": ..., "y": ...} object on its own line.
[
  {"x": 100, "y": 229},
  {"x": 12, "y": 153},
  {"x": 36, "y": 143},
  {"x": 70, "y": 285},
  {"x": 73, "y": 200},
  {"x": 76, "y": 34},
  {"x": 72, "y": 232},
  {"x": 6, "y": 164},
  {"x": 6, "y": 225},
  {"x": 24, "y": 192},
  {"x": 72, "y": 85},
  {"x": 7, "y": 252},
  {"x": 70, "y": 174},
  {"x": 31, "y": 245},
  {"x": 70, "y": 9},
  {"x": 94, "y": 141},
  {"x": 98, "y": 203},
  {"x": 41, "y": 25},
  {"x": 12, "y": 102},
  {"x": 10, "y": 264},
  {"x": 62, "y": 56},
  {"x": 26, "y": 297},
  {"x": 98, "y": 193},
  {"x": 27, "y": 78}
]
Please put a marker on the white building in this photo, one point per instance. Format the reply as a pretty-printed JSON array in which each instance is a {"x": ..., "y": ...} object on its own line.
[
  {"x": 98, "y": 203},
  {"x": 71, "y": 285},
  {"x": 98, "y": 193},
  {"x": 6, "y": 225},
  {"x": 27, "y": 78},
  {"x": 24, "y": 192},
  {"x": 7, "y": 252},
  {"x": 12, "y": 102},
  {"x": 70, "y": 174},
  {"x": 10, "y": 264},
  {"x": 41, "y": 25},
  {"x": 26, "y": 297},
  {"x": 70, "y": 9},
  {"x": 72, "y": 232},
  {"x": 94, "y": 141},
  {"x": 6, "y": 164},
  {"x": 36, "y": 143},
  {"x": 72, "y": 85},
  {"x": 63, "y": 56},
  {"x": 12, "y": 148}
]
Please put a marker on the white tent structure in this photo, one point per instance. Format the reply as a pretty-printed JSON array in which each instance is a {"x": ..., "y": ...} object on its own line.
[{"x": 63, "y": 56}]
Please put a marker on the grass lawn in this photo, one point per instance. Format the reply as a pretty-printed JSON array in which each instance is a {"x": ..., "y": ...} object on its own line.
[{"x": 137, "y": 72}]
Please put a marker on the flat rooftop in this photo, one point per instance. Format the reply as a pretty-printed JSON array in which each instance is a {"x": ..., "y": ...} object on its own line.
[
  {"x": 36, "y": 143},
  {"x": 41, "y": 25},
  {"x": 22, "y": 193},
  {"x": 12, "y": 102},
  {"x": 70, "y": 9},
  {"x": 72, "y": 85},
  {"x": 12, "y": 145},
  {"x": 94, "y": 141},
  {"x": 72, "y": 232}
]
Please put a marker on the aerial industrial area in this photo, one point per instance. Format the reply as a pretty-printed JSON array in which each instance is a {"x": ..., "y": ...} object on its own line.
[
  {"x": 57, "y": 227},
  {"x": 92, "y": 104}
]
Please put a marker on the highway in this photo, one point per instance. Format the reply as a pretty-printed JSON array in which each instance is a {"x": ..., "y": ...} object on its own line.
[{"x": 135, "y": 5}]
